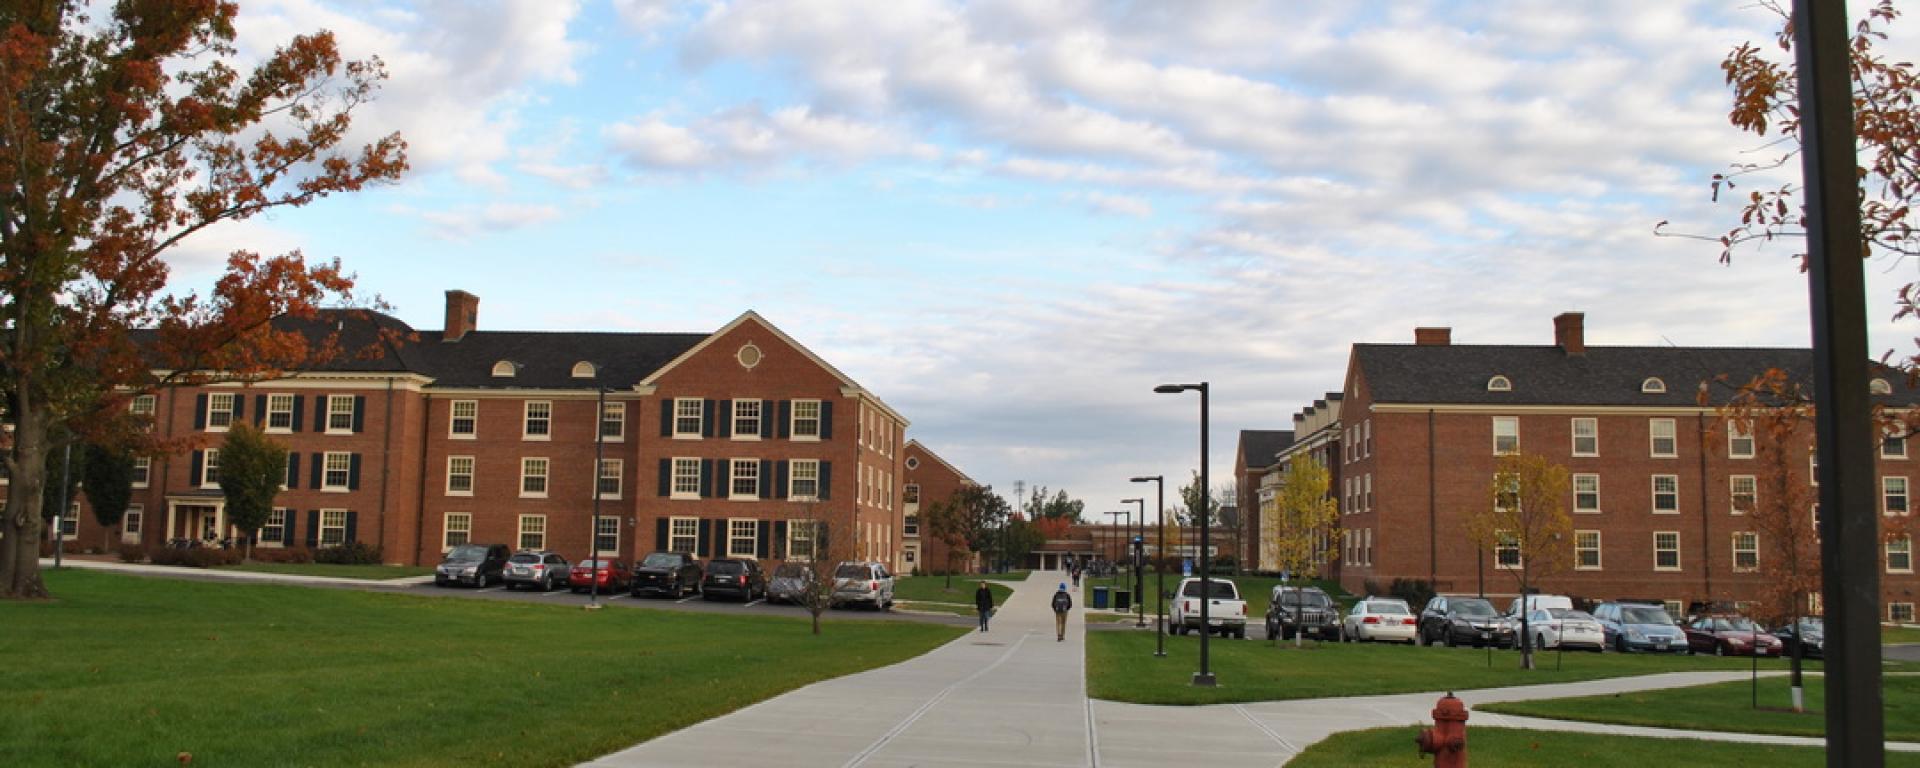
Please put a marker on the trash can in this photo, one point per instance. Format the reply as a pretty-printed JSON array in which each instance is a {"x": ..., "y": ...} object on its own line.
[
  {"x": 1123, "y": 600},
  {"x": 1100, "y": 598}
]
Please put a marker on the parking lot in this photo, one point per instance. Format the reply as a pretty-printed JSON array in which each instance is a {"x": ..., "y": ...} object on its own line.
[{"x": 694, "y": 603}]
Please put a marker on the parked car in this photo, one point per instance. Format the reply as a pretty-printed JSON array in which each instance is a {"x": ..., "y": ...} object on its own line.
[
  {"x": 1306, "y": 610},
  {"x": 1536, "y": 602},
  {"x": 863, "y": 583},
  {"x": 1729, "y": 634},
  {"x": 1226, "y": 612},
  {"x": 476, "y": 564},
  {"x": 674, "y": 574},
  {"x": 739, "y": 578},
  {"x": 601, "y": 574},
  {"x": 1452, "y": 621},
  {"x": 1566, "y": 628},
  {"x": 1380, "y": 618},
  {"x": 790, "y": 583},
  {"x": 1813, "y": 628},
  {"x": 1639, "y": 627},
  {"x": 536, "y": 568}
]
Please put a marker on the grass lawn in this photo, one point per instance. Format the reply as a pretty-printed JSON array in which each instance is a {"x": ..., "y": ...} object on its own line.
[
  {"x": 1899, "y": 634},
  {"x": 1504, "y": 747},
  {"x": 1727, "y": 707},
  {"x": 334, "y": 571},
  {"x": 1121, "y": 667},
  {"x": 955, "y": 609},
  {"x": 1256, "y": 590},
  {"x": 244, "y": 674},
  {"x": 932, "y": 589}
]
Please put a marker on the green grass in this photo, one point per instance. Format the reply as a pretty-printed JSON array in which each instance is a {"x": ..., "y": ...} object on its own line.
[
  {"x": 1727, "y": 707},
  {"x": 120, "y": 670},
  {"x": 955, "y": 609},
  {"x": 1256, "y": 590},
  {"x": 1890, "y": 634},
  {"x": 1121, "y": 667},
  {"x": 1517, "y": 748},
  {"x": 381, "y": 572},
  {"x": 932, "y": 589}
]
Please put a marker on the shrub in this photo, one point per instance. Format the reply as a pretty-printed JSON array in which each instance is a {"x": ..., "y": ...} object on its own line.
[
  {"x": 288, "y": 555},
  {"x": 198, "y": 557},
  {"x": 350, "y": 553},
  {"x": 1415, "y": 591},
  {"x": 133, "y": 553}
]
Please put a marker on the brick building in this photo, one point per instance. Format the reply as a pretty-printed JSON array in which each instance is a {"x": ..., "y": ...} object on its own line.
[
  {"x": 1315, "y": 435},
  {"x": 735, "y": 442},
  {"x": 928, "y": 479}
]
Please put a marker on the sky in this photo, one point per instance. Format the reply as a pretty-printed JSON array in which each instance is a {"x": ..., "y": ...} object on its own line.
[{"x": 1011, "y": 220}]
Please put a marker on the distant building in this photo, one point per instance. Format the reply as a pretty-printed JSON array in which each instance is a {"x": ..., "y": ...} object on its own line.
[{"x": 929, "y": 480}]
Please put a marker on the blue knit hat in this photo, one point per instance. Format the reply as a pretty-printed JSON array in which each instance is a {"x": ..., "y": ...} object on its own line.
[{"x": 1063, "y": 586}]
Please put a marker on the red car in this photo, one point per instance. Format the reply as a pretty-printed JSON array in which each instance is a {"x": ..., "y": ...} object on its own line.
[
  {"x": 1729, "y": 635},
  {"x": 613, "y": 576}
]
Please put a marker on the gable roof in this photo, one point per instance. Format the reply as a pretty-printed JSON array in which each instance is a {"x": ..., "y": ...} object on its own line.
[
  {"x": 849, "y": 386},
  {"x": 1604, "y": 376},
  {"x": 1258, "y": 446},
  {"x": 917, "y": 445}
]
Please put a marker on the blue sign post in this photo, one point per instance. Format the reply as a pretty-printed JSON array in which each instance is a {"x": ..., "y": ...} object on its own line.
[{"x": 1186, "y": 567}]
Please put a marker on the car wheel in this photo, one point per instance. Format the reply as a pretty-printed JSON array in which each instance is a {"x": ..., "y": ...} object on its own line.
[
  {"x": 1241, "y": 633},
  {"x": 1539, "y": 642},
  {"x": 1719, "y": 649},
  {"x": 1620, "y": 643},
  {"x": 1448, "y": 638}
]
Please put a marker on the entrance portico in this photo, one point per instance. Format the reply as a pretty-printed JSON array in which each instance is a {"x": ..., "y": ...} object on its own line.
[{"x": 196, "y": 518}]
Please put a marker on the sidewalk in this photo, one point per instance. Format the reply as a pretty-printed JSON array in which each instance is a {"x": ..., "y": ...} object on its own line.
[{"x": 211, "y": 574}]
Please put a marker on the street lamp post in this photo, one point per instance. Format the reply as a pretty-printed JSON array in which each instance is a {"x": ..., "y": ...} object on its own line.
[
  {"x": 1160, "y": 572},
  {"x": 1138, "y": 554},
  {"x": 1110, "y": 528},
  {"x": 1203, "y": 678}
]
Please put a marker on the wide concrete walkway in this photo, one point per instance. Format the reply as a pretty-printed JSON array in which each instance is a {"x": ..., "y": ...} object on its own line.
[{"x": 1010, "y": 697}]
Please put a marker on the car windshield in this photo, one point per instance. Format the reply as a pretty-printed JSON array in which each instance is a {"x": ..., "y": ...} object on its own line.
[
  {"x": 1734, "y": 624},
  {"x": 661, "y": 560},
  {"x": 852, "y": 572},
  {"x": 1644, "y": 615},
  {"x": 1564, "y": 614},
  {"x": 1473, "y": 607},
  {"x": 791, "y": 571},
  {"x": 594, "y": 564},
  {"x": 725, "y": 567},
  {"x": 1305, "y": 599},
  {"x": 526, "y": 557},
  {"x": 1222, "y": 590},
  {"x": 1815, "y": 626},
  {"x": 467, "y": 552},
  {"x": 1395, "y": 609}
]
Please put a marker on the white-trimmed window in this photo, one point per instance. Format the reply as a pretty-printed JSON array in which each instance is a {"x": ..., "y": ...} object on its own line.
[
  {"x": 505, "y": 369},
  {"x": 219, "y": 411},
  {"x": 745, "y": 483},
  {"x": 910, "y": 493},
  {"x": 1900, "y": 613},
  {"x": 464, "y": 421},
  {"x": 337, "y": 471},
  {"x": 803, "y": 479},
  {"x": 687, "y": 413},
  {"x": 800, "y": 538},
  {"x": 743, "y": 536},
  {"x": 1746, "y": 551},
  {"x": 1744, "y": 493},
  {"x": 533, "y": 477},
  {"x": 686, "y": 478},
  {"x": 1506, "y": 435},
  {"x": 613, "y": 422},
  {"x": 210, "y": 468},
  {"x": 1893, "y": 445},
  {"x": 458, "y": 530},
  {"x": 611, "y": 473},
  {"x": 1586, "y": 494},
  {"x": 1586, "y": 550},
  {"x": 1666, "y": 550},
  {"x": 1499, "y": 384},
  {"x": 1739, "y": 440},
  {"x": 133, "y": 523},
  {"x": 279, "y": 416},
  {"x": 340, "y": 414},
  {"x": 538, "y": 423},
  {"x": 143, "y": 405},
  {"x": 584, "y": 370},
  {"x": 333, "y": 527},
  {"x": 1666, "y": 494},
  {"x": 911, "y": 527},
  {"x": 1653, "y": 385},
  {"x": 459, "y": 475},
  {"x": 142, "y": 472},
  {"x": 683, "y": 534},
  {"x": 1893, "y": 495},
  {"x": 746, "y": 419},
  {"x": 1506, "y": 550},
  {"x": 1661, "y": 440},
  {"x": 1586, "y": 436},
  {"x": 274, "y": 532},
  {"x": 806, "y": 420},
  {"x": 68, "y": 525},
  {"x": 1900, "y": 555},
  {"x": 606, "y": 535},
  {"x": 533, "y": 531}
]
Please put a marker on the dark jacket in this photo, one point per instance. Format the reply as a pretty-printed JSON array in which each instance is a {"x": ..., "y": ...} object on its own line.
[
  {"x": 983, "y": 598},
  {"x": 1062, "y": 602}
]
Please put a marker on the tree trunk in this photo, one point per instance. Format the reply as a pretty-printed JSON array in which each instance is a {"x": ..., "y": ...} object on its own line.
[
  {"x": 21, "y": 525},
  {"x": 1799, "y": 652}
]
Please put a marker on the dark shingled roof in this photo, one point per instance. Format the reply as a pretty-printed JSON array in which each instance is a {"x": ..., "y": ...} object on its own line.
[
  {"x": 1258, "y": 446},
  {"x": 1547, "y": 375},
  {"x": 546, "y": 358}
]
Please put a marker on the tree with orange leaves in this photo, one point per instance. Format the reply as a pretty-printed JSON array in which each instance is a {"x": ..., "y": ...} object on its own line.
[{"x": 122, "y": 136}]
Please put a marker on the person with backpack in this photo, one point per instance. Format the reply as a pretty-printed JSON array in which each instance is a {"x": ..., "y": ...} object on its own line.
[
  {"x": 983, "y": 602},
  {"x": 1062, "y": 602}
]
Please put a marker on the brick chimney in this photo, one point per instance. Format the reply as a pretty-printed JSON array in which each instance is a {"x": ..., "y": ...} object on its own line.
[
  {"x": 463, "y": 315},
  {"x": 1433, "y": 337},
  {"x": 1570, "y": 333}
]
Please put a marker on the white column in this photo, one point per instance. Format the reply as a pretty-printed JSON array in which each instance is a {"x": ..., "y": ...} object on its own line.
[{"x": 168, "y": 536}]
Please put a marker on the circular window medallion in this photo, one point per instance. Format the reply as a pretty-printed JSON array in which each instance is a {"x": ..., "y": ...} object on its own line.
[
  {"x": 913, "y": 463},
  {"x": 749, "y": 356}
]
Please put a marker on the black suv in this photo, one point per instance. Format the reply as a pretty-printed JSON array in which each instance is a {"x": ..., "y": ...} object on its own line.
[
  {"x": 675, "y": 574},
  {"x": 730, "y": 577},
  {"x": 1305, "y": 610},
  {"x": 1463, "y": 621},
  {"x": 476, "y": 564}
]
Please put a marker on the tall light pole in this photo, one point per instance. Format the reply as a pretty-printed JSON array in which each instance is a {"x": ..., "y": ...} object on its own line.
[
  {"x": 1139, "y": 578},
  {"x": 1203, "y": 678},
  {"x": 1110, "y": 528},
  {"x": 1160, "y": 572}
]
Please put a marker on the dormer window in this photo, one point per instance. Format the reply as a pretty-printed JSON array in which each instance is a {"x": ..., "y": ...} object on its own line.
[
  {"x": 505, "y": 369},
  {"x": 583, "y": 370},
  {"x": 1499, "y": 384},
  {"x": 1653, "y": 386},
  {"x": 1880, "y": 387}
]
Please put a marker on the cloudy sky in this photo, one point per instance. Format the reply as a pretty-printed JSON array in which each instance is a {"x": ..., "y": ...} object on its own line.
[{"x": 1012, "y": 219}]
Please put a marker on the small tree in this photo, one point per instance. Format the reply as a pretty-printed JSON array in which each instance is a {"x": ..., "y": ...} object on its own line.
[
  {"x": 1304, "y": 517},
  {"x": 1525, "y": 523},
  {"x": 981, "y": 516},
  {"x": 941, "y": 521},
  {"x": 1196, "y": 501},
  {"x": 252, "y": 468},
  {"x": 831, "y": 546},
  {"x": 107, "y": 476}
]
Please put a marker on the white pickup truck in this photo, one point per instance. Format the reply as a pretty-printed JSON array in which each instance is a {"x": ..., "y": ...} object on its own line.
[{"x": 1226, "y": 612}]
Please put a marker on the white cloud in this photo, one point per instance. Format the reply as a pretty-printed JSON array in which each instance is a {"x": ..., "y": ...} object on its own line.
[
  {"x": 749, "y": 138},
  {"x": 464, "y": 223}
]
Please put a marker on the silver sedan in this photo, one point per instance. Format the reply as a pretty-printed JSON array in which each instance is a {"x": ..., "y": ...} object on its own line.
[{"x": 1561, "y": 628}]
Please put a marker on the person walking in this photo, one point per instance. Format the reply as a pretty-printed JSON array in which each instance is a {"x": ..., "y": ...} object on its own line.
[
  {"x": 1062, "y": 602},
  {"x": 983, "y": 602}
]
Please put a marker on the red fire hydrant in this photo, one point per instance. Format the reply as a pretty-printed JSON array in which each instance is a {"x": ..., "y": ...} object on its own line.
[{"x": 1447, "y": 739}]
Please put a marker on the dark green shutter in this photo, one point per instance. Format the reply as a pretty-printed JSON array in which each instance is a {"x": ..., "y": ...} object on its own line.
[
  {"x": 359, "y": 413},
  {"x": 766, "y": 480},
  {"x": 722, "y": 479},
  {"x": 313, "y": 528},
  {"x": 826, "y": 480},
  {"x": 200, "y": 411},
  {"x": 353, "y": 473},
  {"x": 299, "y": 410},
  {"x": 352, "y": 527},
  {"x": 762, "y": 548},
  {"x": 193, "y": 468},
  {"x": 320, "y": 412},
  {"x": 786, "y": 417},
  {"x": 293, "y": 474},
  {"x": 766, "y": 419},
  {"x": 660, "y": 534},
  {"x": 780, "y": 481},
  {"x": 705, "y": 539},
  {"x": 286, "y": 531},
  {"x": 259, "y": 410},
  {"x": 666, "y": 417},
  {"x": 706, "y": 478},
  {"x": 826, "y": 420},
  {"x": 239, "y": 407},
  {"x": 666, "y": 477},
  {"x": 706, "y": 418},
  {"x": 780, "y": 539},
  {"x": 319, "y": 465},
  {"x": 723, "y": 424}
]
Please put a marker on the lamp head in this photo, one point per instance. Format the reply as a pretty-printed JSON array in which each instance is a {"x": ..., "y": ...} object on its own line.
[
  {"x": 1146, "y": 479},
  {"x": 1133, "y": 501},
  {"x": 1173, "y": 389}
]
